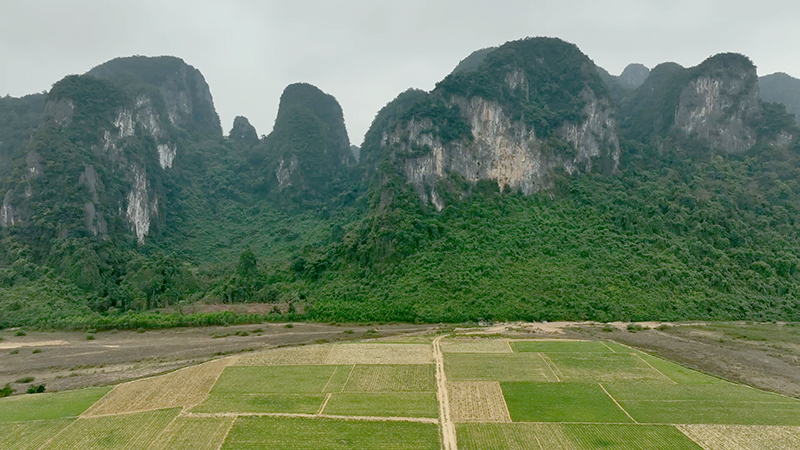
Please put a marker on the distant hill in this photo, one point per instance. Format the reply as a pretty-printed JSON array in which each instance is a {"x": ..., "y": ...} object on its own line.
[{"x": 781, "y": 88}]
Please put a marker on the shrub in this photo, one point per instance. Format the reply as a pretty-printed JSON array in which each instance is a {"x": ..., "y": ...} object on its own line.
[
  {"x": 20, "y": 333},
  {"x": 36, "y": 389},
  {"x": 6, "y": 391},
  {"x": 38, "y": 350},
  {"x": 24, "y": 380},
  {"x": 634, "y": 327},
  {"x": 89, "y": 337}
]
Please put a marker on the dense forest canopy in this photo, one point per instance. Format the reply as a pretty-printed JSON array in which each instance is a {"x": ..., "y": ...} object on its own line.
[{"x": 291, "y": 219}]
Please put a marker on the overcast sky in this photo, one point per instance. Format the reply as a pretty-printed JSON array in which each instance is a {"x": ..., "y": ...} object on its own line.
[{"x": 365, "y": 52}]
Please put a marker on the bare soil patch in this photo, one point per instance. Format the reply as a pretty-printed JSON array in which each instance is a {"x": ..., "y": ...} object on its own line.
[
  {"x": 349, "y": 354},
  {"x": 475, "y": 345},
  {"x": 731, "y": 437},
  {"x": 73, "y": 361},
  {"x": 184, "y": 388}
]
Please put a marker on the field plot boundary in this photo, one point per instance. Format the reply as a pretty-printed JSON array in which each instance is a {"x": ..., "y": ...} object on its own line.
[
  {"x": 227, "y": 433},
  {"x": 652, "y": 367},
  {"x": 550, "y": 365},
  {"x": 617, "y": 403},
  {"x": 428, "y": 420},
  {"x": 324, "y": 404}
]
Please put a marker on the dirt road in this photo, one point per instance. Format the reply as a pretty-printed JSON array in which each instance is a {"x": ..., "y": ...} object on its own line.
[{"x": 449, "y": 439}]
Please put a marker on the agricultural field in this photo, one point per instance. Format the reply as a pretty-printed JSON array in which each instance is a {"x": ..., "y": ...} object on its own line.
[{"x": 467, "y": 393}]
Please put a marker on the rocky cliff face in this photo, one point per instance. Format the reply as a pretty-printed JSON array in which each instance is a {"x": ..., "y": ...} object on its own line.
[
  {"x": 717, "y": 103},
  {"x": 105, "y": 146},
  {"x": 500, "y": 144},
  {"x": 721, "y": 104},
  {"x": 186, "y": 96}
]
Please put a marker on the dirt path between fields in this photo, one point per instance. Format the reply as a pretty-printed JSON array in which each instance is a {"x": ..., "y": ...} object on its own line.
[
  {"x": 316, "y": 416},
  {"x": 449, "y": 438}
]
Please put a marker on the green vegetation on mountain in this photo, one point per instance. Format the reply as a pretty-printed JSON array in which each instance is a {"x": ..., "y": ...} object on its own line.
[
  {"x": 292, "y": 221},
  {"x": 556, "y": 75}
]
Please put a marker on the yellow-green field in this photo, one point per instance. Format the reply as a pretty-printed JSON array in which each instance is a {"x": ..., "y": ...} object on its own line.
[{"x": 467, "y": 393}]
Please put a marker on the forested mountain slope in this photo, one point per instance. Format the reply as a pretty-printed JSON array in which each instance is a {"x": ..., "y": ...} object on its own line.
[{"x": 529, "y": 184}]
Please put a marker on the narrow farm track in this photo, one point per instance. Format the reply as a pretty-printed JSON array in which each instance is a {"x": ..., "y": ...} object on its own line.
[
  {"x": 316, "y": 416},
  {"x": 449, "y": 439}
]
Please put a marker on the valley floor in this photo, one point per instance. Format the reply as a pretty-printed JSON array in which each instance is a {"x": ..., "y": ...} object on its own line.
[{"x": 508, "y": 387}]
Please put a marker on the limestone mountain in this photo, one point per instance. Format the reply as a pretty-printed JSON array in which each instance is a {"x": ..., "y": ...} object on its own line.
[
  {"x": 716, "y": 102},
  {"x": 243, "y": 131},
  {"x": 186, "y": 97},
  {"x": 530, "y": 108},
  {"x": 633, "y": 76},
  {"x": 307, "y": 156},
  {"x": 530, "y": 184},
  {"x": 99, "y": 161}
]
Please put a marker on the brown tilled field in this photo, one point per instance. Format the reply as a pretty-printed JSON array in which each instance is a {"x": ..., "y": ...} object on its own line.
[
  {"x": 184, "y": 388},
  {"x": 734, "y": 437},
  {"x": 477, "y": 401}
]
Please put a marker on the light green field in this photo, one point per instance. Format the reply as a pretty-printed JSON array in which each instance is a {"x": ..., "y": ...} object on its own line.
[
  {"x": 46, "y": 406},
  {"x": 723, "y": 403},
  {"x": 678, "y": 373},
  {"x": 571, "y": 437},
  {"x": 560, "y": 347},
  {"x": 29, "y": 435},
  {"x": 191, "y": 433},
  {"x": 390, "y": 404},
  {"x": 497, "y": 367},
  {"x": 260, "y": 403},
  {"x": 123, "y": 432},
  {"x": 603, "y": 367},
  {"x": 268, "y": 433},
  {"x": 627, "y": 437},
  {"x": 392, "y": 378},
  {"x": 561, "y": 402}
]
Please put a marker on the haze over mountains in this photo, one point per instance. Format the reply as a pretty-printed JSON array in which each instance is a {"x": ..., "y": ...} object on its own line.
[{"x": 529, "y": 184}]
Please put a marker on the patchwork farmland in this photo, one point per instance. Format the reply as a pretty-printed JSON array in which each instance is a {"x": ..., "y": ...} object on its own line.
[{"x": 467, "y": 393}]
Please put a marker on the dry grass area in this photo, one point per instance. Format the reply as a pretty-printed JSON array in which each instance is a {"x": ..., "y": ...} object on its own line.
[
  {"x": 127, "y": 432},
  {"x": 477, "y": 401},
  {"x": 349, "y": 354},
  {"x": 194, "y": 433},
  {"x": 475, "y": 345},
  {"x": 183, "y": 388},
  {"x": 733, "y": 437},
  {"x": 307, "y": 355},
  {"x": 391, "y": 378}
]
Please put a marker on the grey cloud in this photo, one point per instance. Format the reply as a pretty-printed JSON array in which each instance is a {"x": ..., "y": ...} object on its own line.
[{"x": 365, "y": 52}]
